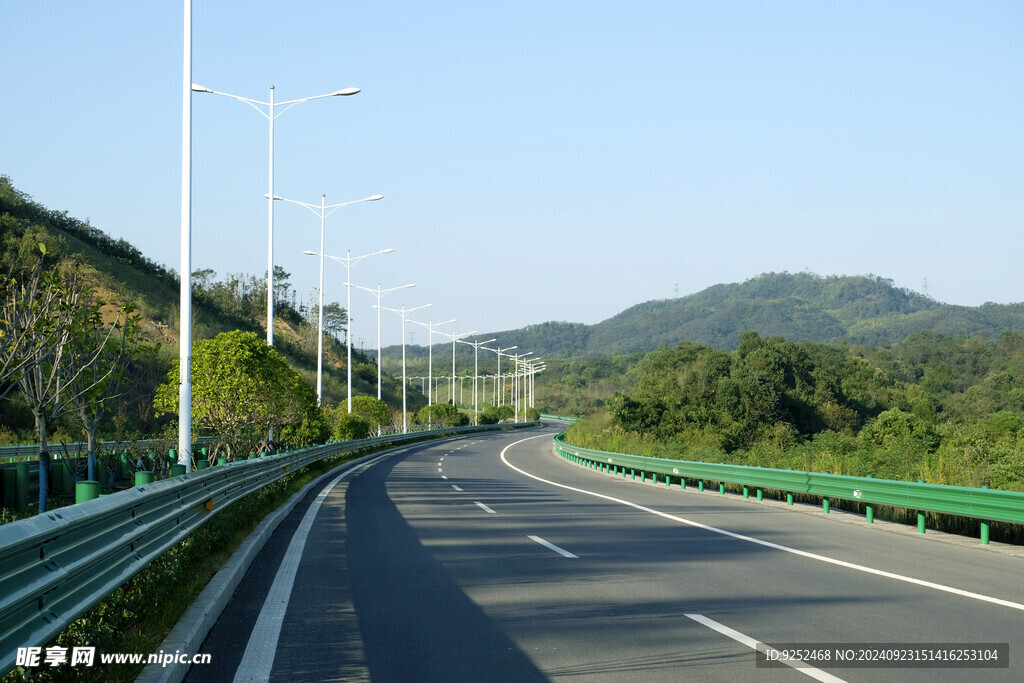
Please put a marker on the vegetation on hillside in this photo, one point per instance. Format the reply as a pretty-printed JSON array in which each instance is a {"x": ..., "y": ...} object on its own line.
[
  {"x": 114, "y": 276},
  {"x": 944, "y": 409}
]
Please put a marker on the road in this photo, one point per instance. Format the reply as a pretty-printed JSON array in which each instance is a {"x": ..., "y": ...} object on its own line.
[{"x": 487, "y": 558}]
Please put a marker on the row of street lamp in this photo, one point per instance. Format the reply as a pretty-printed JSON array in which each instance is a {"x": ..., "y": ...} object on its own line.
[{"x": 271, "y": 110}]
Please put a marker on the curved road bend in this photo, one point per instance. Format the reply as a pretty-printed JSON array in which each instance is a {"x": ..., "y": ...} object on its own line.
[{"x": 487, "y": 558}]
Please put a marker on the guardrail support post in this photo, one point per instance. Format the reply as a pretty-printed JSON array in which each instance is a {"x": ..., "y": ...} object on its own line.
[
  {"x": 20, "y": 485},
  {"x": 824, "y": 505},
  {"x": 789, "y": 498},
  {"x": 869, "y": 512},
  {"x": 700, "y": 485},
  {"x": 984, "y": 526},
  {"x": 920, "y": 522},
  {"x": 143, "y": 477},
  {"x": 746, "y": 491},
  {"x": 721, "y": 487},
  {"x": 682, "y": 482},
  {"x": 177, "y": 470},
  {"x": 760, "y": 494},
  {"x": 654, "y": 477},
  {"x": 633, "y": 473},
  {"x": 643, "y": 476}
]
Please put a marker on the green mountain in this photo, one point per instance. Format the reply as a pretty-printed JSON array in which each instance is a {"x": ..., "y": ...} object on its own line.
[{"x": 798, "y": 306}]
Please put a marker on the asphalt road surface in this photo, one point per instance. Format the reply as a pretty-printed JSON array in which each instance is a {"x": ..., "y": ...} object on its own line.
[{"x": 486, "y": 557}]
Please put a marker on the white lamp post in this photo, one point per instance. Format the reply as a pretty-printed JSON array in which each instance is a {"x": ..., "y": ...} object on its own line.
[
  {"x": 454, "y": 336},
  {"x": 404, "y": 312},
  {"x": 500, "y": 353},
  {"x": 515, "y": 380},
  {"x": 380, "y": 294},
  {"x": 430, "y": 325},
  {"x": 348, "y": 261},
  {"x": 476, "y": 372},
  {"x": 322, "y": 211},
  {"x": 185, "y": 293},
  {"x": 271, "y": 116}
]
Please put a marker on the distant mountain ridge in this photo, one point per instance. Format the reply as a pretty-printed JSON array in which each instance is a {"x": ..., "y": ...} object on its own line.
[{"x": 863, "y": 309}]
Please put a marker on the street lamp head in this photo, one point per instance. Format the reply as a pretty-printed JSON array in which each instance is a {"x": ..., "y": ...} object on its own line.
[
  {"x": 199, "y": 88},
  {"x": 345, "y": 91},
  {"x": 387, "y": 251},
  {"x": 276, "y": 198},
  {"x": 307, "y": 252},
  {"x": 374, "y": 198}
]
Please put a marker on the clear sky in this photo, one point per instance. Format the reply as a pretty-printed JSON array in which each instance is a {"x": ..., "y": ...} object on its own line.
[{"x": 540, "y": 160}]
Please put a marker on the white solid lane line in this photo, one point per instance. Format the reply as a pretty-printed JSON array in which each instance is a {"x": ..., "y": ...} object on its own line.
[
  {"x": 800, "y": 666},
  {"x": 485, "y": 508},
  {"x": 552, "y": 546},
  {"x": 767, "y": 544}
]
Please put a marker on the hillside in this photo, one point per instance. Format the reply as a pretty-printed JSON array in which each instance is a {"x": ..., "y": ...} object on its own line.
[
  {"x": 800, "y": 307},
  {"x": 119, "y": 273}
]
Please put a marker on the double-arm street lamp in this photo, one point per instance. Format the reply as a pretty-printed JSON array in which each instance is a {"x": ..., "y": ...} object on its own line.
[
  {"x": 454, "y": 336},
  {"x": 271, "y": 116},
  {"x": 430, "y": 325},
  {"x": 476, "y": 372},
  {"x": 324, "y": 211},
  {"x": 379, "y": 293},
  {"x": 500, "y": 352},
  {"x": 348, "y": 261},
  {"x": 404, "y": 312}
]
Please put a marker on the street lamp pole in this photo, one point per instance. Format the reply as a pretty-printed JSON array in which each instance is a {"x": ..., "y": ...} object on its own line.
[
  {"x": 323, "y": 212},
  {"x": 430, "y": 325},
  {"x": 476, "y": 372},
  {"x": 271, "y": 117},
  {"x": 348, "y": 261},
  {"x": 403, "y": 312},
  {"x": 379, "y": 293},
  {"x": 500, "y": 353},
  {"x": 453, "y": 336},
  {"x": 185, "y": 294}
]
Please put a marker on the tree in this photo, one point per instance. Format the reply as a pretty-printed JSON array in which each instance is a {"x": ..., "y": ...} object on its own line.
[
  {"x": 104, "y": 356},
  {"x": 241, "y": 388},
  {"x": 373, "y": 411},
  {"x": 53, "y": 316},
  {"x": 441, "y": 415}
]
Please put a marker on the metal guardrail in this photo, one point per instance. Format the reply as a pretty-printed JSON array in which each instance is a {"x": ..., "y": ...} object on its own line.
[
  {"x": 57, "y": 565},
  {"x": 983, "y": 504},
  {"x": 562, "y": 418},
  {"x": 57, "y": 449}
]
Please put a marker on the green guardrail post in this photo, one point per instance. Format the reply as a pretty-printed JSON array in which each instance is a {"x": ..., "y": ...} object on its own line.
[
  {"x": 21, "y": 485},
  {"x": 824, "y": 505},
  {"x": 746, "y": 491},
  {"x": 632, "y": 473},
  {"x": 222, "y": 461},
  {"x": 760, "y": 494},
  {"x": 202, "y": 464},
  {"x": 869, "y": 509},
  {"x": 789, "y": 497},
  {"x": 143, "y": 477},
  {"x": 654, "y": 477},
  {"x": 721, "y": 487},
  {"x": 668, "y": 480},
  {"x": 700, "y": 485},
  {"x": 920, "y": 515},
  {"x": 86, "y": 490},
  {"x": 177, "y": 470},
  {"x": 984, "y": 531},
  {"x": 682, "y": 482}
]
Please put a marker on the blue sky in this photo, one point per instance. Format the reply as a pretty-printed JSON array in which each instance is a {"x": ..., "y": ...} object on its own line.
[{"x": 540, "y": 160}]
